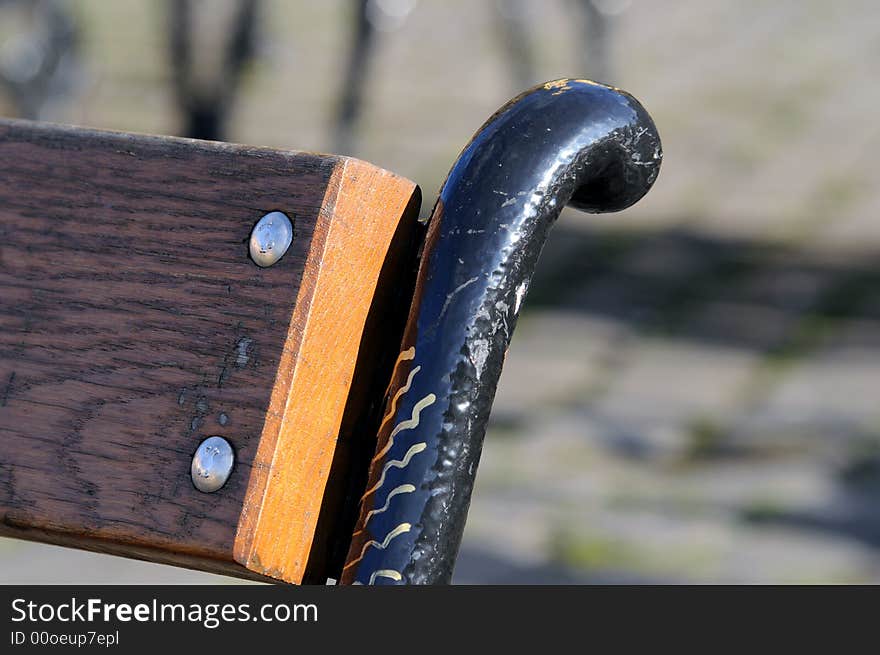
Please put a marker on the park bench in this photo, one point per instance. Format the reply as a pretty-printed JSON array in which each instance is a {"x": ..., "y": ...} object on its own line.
[{"x": 260, "y": 362}]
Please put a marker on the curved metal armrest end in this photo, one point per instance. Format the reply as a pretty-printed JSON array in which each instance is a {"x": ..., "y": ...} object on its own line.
[{"x": 565, "y": 142}]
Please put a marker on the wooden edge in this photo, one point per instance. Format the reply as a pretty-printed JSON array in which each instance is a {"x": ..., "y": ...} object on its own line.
[
  {"x": 155, "y": 555},
  {"x": 362, "y": 210}
]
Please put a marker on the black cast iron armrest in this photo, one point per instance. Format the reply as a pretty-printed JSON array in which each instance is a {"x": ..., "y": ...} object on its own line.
[{"x": 569, "y": 142}]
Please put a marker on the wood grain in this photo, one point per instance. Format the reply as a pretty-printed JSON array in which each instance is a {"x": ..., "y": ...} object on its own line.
[
  {"x": 133, "y": 325},
  {"x": 279, "y": 518}
]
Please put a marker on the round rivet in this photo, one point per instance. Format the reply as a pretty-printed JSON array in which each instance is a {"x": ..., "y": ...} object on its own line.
[
  {"x": 212, "y": 464},
  {"x": 270, "y": 238}
]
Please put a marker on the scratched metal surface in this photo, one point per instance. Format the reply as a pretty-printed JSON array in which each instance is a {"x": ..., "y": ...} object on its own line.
[{"x": 566, "y": 142}]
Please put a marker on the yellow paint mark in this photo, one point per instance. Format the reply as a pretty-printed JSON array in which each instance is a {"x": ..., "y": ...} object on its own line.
[
  {"x": 402, "y": 489},
  {"x": 397, "y": 397},
  {"x": 557, "y": 84},
  {"x": 403, "y": 528},
  {"x": 405, "y": 356},
  {"x": 396, "y": 463},
  {"x": 391, "y": 574},
  {"x": 411, "y": 422},
  {"x": 563, "y": 85}
]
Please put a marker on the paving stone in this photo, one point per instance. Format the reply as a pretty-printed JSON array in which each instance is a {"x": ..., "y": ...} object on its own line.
[
  {"x": 831, "y": 390},
  {"x": 554, "y": 357},
  {"x": 664, "y": 389}
]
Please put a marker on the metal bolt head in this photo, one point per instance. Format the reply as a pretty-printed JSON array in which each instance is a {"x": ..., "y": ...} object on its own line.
[
  {"x": 270, "y": 238},
  {"x": 212, "y": 464}
]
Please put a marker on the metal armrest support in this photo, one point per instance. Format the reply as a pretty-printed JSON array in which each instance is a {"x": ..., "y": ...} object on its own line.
[{"x": 566, "y": 142}]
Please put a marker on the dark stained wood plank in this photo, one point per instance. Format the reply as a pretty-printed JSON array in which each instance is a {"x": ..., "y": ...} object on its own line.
[{"x": 133, "y": 325}]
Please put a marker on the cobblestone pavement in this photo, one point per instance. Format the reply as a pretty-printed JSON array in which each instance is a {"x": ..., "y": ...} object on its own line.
[{"x": 692, "y": 391}]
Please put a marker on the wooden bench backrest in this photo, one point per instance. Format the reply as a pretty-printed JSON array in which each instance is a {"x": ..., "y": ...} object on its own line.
[{"x": 133, "y": 325}]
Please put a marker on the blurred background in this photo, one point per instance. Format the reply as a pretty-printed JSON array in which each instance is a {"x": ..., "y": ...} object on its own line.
[{"x": 692, "y": 392}]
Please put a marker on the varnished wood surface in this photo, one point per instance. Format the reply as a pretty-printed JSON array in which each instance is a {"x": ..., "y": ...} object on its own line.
[
  {"x": 133, "y": 325},
  {"x": 281, "y": 507}
]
